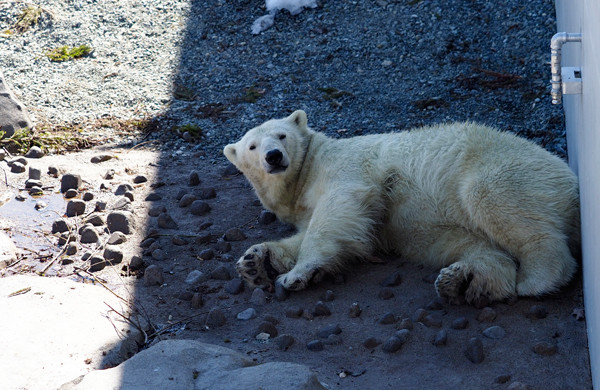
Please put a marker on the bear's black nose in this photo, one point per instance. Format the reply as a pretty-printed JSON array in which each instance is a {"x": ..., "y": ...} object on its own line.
[{"x": 274, "y": 157}]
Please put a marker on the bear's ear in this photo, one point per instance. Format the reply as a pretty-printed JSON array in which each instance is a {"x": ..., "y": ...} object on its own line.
[
  {"x": 298, "y": 118},
  {"x": 230, "y": 153}
]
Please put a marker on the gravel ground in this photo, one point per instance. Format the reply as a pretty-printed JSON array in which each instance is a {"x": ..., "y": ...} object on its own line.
[{"x": 356, "y": 67}]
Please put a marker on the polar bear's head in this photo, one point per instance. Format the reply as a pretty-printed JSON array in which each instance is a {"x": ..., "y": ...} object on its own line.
[{"x": 276, "y": 147}]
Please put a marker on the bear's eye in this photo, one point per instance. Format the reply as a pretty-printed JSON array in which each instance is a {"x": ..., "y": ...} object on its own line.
[
  {"x": 282, "y": 137},
  {"x": 252, "y": 147}
]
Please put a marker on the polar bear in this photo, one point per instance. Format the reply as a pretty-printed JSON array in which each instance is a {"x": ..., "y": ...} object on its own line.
[{"x": 497, "y": 213}]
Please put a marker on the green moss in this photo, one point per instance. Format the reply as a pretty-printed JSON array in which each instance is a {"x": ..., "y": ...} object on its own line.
[
  {"x": 66, "y": 53},
  {"x": 193, "y": 129},
  {"x": 28, "y": 18}
]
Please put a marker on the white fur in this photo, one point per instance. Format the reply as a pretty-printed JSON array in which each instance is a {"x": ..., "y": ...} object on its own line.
[{"x": 497, "y": 211}]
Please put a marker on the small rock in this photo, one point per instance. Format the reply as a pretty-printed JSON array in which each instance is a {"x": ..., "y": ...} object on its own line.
[
  {"x": 153, "y": 275},
  {"x": 386, "y": 293},
  {"x": 325, "y": 331},
  {"x": 315, "y": 345},
  {"x": 69, "y": 181},
  {"x": 71, "y": 193},
  {"x": 35, "y": 152},
  {"x": 109, "y": 175},
  {"x": 220, "y": 273},
  {"x": 123, "y": 188},
  {"x": 117, "y": 238},
  {"x": 494, "y": 332},
  {"x": 135, "y": 263},
  {"x": 122, "y": 203},
  {"x": 234, "y": 286},
  {"x": 392, "y": 280},
  {"x": 537, "y": 312},
  {"x": 230, "y": 170},
  {"x": 187, "y": 200},
  {"x": 486, "y": 315},
  {"x": 153, "y": 197},
  {"x": 205, "y": 238},
  {"x": 321, "y": 309},
  {"x": 328, "y": 296},
  {"x": 460, "y": 323},
  {"x": 71, "y": 249},
  {"x": 436, "y": 304},
  {"x": 406, "y": 323},
  {"x": 139, "y": 179},
  {"x": 281, "y": 294},
  {"x": 206, "y": 254},
  {"x": 223, "y": 246},
  {"x": 17, "y": 167},
  {"x": 165, "y": 221},
  {"x": 100, "y": 206},
  {"x": 333, "y": 339},
  {"x": 307, "y": 315},
  {"x": 158, "y": 254},
  {"x": 129, "y": 195},
  {"x": 371, "y": 343},
  {"x": 267, "y": 327},
  {"x": 227, "y": 258},
  {"x": 403, "y": 335},
  {"x": 34, "y": 191},
  {"x": 147, "y": 242},
  {"x": 215, "y": 319},
  {"x": 474, "y": 350},
  {"x": 113, "y": 255},
  {"x": 59, "y": 226},
  {"x": 440, "y": 338},
  {"x": 258, "y": 297},
  {"x": 262, "y": 336},
  {"x": 387, "y": 319},
  {"x": 100, "y": 158},
  {"x": 267, "y": 217},
  {"x": 545, "y": 349},
  {"x": 179, "y": 241},
  {"x": 194, "y": 178},
  {"x": 247, "y": 314},
  {"x": 120, "y": 221},
  {"x": 155, "y": 211},
  {"x": 89, "y": 235},
  {"x": 501, "y": 379},
  {"x": 96, "y": 263},
  {"x": 355, "y": 310},
  {"x": 195, "y": 277},
  {"x": 284, "y": 341},
  {"x": 199, "y": 207},
  {"x": 432, "y": 321},
  {"x": 206, "y": 193},
  {"x": 293, "y": 312},
  {"x": 419, "y": 315},
  {"x": 35, "y": 173},
  {"x": 53, "y": 171},
  {"x": 393, "y": 344},
  {"x": 30, "y": 183},
  {"x": 197, "y": 301},
  {"x": 75, "y": 207},
  {"x": 234, "y": 235}
]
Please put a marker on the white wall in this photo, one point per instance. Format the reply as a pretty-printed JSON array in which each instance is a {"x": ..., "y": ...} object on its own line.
[{"x": 583, "y": 138}]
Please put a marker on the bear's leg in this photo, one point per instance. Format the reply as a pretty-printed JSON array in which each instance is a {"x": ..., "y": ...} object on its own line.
[
  {"x": 545, "y": 265},
  {"x": 483, "y": 272},
  {"x": 261, "y": 263}
]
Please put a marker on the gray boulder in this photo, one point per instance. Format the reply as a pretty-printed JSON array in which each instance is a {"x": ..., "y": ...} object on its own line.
[
  {"x": 190, "y": 364},
  {"x": 13, "y": 114}
]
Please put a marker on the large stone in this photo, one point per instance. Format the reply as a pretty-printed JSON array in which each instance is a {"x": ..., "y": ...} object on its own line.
[
  {"x": 8, "y": 251},
  {"x": 90, "y": 339},
  {"x": 120, "y": 221},
  {"x": 13, "y": 114},
  {"x": 190, "y": 364},
  {"x": 70, "y": 181}
]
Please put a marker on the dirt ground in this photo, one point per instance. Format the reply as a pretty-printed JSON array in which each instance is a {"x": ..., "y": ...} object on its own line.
[{"x": 541, "y": 344}]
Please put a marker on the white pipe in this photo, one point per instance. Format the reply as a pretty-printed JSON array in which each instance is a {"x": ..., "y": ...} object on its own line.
[{"x": 556, "y": 43}]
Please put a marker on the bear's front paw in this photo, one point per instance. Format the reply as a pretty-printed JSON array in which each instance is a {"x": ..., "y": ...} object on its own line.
[
  {"x": 299, "y": 277},
  {"x": 256, "y": 267},
  {"x": 451, "y": 283}
]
